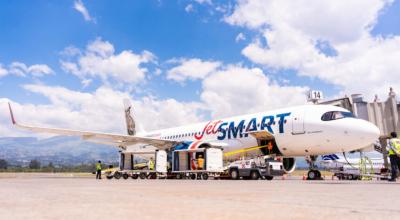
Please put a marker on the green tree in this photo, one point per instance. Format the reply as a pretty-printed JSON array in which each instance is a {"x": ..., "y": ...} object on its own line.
[
  {"x": 34, "y": 164},
  {"x": 3, "y": 164}
]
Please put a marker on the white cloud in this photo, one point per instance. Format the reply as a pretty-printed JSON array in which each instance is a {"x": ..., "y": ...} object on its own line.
[
  {"x": 101, "y": 110},
  {"x": 291, "y": 30},
  {"x": 228, "y": 91},
  {"x": 240, "y": 37},
  {"x": 3, "y": 71},
  {"x": 100, "y": 60},
  {"x": 157, "y": 72},
  {"x": 189, "y": 8},
  {"x": 80, "y": 7},
  {"x": 86, "y": 82},
  {"x": 204, "y": 2},
  {"x": 239, "y": 90},
  {"x": 192, "y": 69},
  {"x": 21, "y": 69},
  {"x": 337, "y": 21}
]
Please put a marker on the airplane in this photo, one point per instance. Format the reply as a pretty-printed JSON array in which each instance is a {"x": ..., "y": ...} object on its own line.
[
  {"x": 307, "y": 130},
  {"x": 350, "y": 167}
]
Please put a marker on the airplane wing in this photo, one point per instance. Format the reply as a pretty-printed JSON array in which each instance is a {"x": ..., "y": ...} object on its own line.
[{"x": 118, "y": 140}]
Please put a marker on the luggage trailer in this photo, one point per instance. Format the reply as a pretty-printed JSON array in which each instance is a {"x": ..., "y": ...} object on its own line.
[
  {"x": 185, "y": 163},
  {"x": 179, "y": 163},
  {"x": 128, "y": 167}
]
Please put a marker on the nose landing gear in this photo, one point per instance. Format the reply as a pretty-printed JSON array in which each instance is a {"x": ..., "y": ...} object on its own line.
[{"x": 313, "y": 173}]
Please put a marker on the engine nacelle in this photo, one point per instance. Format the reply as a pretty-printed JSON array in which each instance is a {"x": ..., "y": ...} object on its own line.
[{"x": 289, "y": 164}]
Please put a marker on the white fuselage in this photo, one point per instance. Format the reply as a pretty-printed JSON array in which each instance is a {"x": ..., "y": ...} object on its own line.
[{"x": 298, "y": 131}]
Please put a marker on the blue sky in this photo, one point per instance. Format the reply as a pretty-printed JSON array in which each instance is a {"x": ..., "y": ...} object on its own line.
[
  {"x": 277, "y": 53},
  {"x": 166, "y": 29}
]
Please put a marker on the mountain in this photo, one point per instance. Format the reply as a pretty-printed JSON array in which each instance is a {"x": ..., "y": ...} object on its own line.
[{"x": 60, "y": 150}]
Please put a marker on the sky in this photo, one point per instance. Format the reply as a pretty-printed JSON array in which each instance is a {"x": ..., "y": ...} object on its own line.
[{"x": 69, "y": 64}]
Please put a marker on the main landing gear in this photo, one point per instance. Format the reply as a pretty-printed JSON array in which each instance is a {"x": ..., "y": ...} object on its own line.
[{"x": 313, "y": 173}]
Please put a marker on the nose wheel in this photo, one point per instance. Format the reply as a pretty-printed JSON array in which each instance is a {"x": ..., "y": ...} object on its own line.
[{"x": 313, "y": 173}]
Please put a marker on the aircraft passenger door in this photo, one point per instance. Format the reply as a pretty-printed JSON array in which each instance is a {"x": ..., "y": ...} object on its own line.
[{"x": 298, "y": 122}]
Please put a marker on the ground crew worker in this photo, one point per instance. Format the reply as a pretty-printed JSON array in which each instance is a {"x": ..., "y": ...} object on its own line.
[
  {"x": 269, "y": 147},
  {"x": 200, "y": 162},
  {"x": 151, "y": 164},
  {"x": 98, "y": 170},
  {"x": 394, "y": 155}
]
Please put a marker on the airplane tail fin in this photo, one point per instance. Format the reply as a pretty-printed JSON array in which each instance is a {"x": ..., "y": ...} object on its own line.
[
  {"x": 330, "y": 157},
  {"x": 130, "y": 122}
]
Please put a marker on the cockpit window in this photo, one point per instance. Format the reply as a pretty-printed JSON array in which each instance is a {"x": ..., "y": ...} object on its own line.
[{"x": 335, "y": 115}]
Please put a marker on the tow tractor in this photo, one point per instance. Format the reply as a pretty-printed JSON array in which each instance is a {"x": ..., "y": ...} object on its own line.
[{"x": 264, "y": 167}]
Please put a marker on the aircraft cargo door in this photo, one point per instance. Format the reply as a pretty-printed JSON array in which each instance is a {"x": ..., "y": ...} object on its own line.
[{"x": 298, "y": 122}]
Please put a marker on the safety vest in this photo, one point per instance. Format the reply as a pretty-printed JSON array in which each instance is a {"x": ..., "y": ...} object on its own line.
[
  {"x": 98, "y": 166},
  {"x": 200, "y": 162},
  {"x": 151, "y": 165},
  {"x": 396, "y": 144}
]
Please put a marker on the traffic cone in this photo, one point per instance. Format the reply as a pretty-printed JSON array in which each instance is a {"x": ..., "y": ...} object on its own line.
[{"x": 304, "y": 176}]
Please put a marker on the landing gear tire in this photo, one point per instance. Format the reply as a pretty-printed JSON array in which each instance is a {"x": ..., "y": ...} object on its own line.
[
  {"x": 125, "y": 176},
  {"x": 234, "y": 174},
  {"x": 269, "y": 177},
  {"x": 205, "y": 176},
  {"x": 117, "y": 175},
  {"x": 313, "y": 175},
  {"x": 135, "y": 176},
  {"x": 142, "y": 176},
  {"x": 254, "y": 175}
]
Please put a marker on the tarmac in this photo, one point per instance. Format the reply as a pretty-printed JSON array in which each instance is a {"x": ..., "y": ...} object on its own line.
[{"x": 70, "y": 196}]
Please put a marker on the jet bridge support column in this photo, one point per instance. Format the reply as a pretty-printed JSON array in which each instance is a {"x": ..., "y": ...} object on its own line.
[{"x": 383, "y": 143}]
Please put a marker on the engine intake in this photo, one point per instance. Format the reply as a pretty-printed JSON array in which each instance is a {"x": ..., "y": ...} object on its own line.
[{"x": 289, "y": 164}]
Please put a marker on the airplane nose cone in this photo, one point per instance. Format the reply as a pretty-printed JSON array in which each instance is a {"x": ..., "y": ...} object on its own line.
[
  {"x": 358, "y": 134},
  {"x": 370, "y": 133}
]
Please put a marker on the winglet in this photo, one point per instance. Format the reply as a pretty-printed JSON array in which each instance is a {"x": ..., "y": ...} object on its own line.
[{"x": 11, "y": 114}]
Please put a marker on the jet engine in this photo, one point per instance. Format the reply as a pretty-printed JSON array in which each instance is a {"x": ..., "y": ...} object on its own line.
[{"x": 289, "y": 164}]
